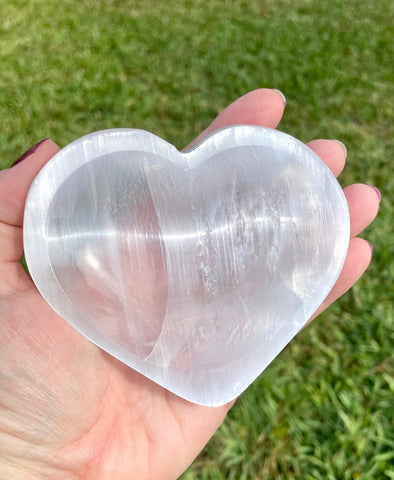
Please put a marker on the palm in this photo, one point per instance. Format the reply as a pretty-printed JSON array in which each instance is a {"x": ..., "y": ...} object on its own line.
[
  {"x": 65, "y": 405},
  {"x": 73, "y": 395}
]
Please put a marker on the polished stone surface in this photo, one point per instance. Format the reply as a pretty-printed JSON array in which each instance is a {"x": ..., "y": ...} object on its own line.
[{"x": 195, "y": 268}]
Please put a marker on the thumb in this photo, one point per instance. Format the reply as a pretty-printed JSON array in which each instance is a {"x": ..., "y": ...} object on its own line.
[{"x": 15, "y": 181}]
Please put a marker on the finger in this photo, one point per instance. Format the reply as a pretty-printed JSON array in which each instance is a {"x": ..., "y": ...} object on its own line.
[
  {"x": 357, "y": 260},
  {"x": 15, "y": 183},
  {"x": 263, "y": 107},
  {"x": 363, "y": 202},
  {"x": 11, "y": 243},
  {"x": 332, "y": 152}
]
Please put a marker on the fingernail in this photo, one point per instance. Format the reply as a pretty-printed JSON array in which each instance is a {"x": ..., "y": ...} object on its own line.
[
  {"x": 282, "y": 96},
  {"x": 377, "y": 192},
  {"x": 370, "y": 245},
  {"x": 343, "y": 146},
  {"x": 29, "y": 152}
]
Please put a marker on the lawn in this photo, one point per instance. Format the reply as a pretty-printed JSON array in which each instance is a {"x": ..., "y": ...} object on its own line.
[{"x": 323, "y": 410}]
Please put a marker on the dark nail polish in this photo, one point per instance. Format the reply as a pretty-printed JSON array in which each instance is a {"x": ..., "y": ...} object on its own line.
[
  {"x": 29, "y": 152},
  {"x": 377, "y": 191}
]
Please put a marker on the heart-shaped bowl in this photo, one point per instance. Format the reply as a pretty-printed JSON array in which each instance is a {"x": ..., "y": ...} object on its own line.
[{"x": 194, "y": 268}]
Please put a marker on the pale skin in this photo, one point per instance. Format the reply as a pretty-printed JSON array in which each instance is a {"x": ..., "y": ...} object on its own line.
[{"x": 70, "y": 411}]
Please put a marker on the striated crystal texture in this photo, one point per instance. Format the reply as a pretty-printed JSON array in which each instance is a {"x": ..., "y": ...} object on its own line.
[{"x": 194, "y": 268}]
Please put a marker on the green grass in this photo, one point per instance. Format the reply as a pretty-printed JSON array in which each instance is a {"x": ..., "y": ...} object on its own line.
[{"x": 324, "y": 409}]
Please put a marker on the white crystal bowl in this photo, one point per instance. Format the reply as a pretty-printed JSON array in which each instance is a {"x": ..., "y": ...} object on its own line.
[{"x": 195, "y": 268}]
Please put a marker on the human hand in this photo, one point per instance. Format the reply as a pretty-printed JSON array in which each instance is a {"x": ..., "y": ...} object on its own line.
[{"x": 70, "y": 410}]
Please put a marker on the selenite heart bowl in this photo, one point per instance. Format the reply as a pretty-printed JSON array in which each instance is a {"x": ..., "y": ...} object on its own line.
[{"x": 195, "y": 268}]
